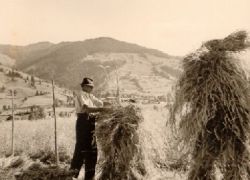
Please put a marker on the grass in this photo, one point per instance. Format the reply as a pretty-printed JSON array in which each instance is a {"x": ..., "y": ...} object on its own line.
[
  {"x": 163, "y": 158},
  {"x": 37, "y": 136},
  {"x": 35, "y": 140}
]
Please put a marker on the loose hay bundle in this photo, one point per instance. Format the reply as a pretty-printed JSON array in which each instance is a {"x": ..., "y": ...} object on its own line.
[
  {"x": 25, "y": 168},
  {"x": 212, "y": 103},
  {"x": 118, "y": 141},
  {"x": 40, "y": 171}
]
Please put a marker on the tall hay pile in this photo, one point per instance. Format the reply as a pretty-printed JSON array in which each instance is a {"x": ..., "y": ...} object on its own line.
[
  {"x": 118, "y": 141},
  {"x": 211, "y": 110}
]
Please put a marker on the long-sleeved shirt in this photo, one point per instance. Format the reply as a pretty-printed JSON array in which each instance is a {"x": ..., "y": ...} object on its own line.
[{"x": 83, "y": 98}]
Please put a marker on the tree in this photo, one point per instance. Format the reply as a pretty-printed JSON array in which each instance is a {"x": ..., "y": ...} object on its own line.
[
  {"x": 15, "y": 92},
  {"x": 25, "y": 99},
  {"x": 2, "y": 89},
  {"x": 5, "y": 107},
  {"x": 32, "y": 81},
  {"x": 58, "y": 102},
  {"x": 11, "y": 74},
  {"x": 41, "y": 113},
  {"x": 42, "y": 93},
  {"x": 63, "y": 114},
  {"x": 37, "y": 112}
]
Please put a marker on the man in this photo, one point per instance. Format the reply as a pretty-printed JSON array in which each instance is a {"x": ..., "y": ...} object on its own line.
[{"x": 85, "y": 148}]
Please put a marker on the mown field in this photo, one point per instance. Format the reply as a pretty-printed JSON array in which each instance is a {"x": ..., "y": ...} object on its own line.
[{"x": 34, "y": 140}]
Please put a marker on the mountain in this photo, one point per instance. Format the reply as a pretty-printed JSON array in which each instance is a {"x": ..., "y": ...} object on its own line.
[
  {"x": 139, "y": 70},
  {"x": 6, "y": 60},
  {"x": 25, "y": 55}
]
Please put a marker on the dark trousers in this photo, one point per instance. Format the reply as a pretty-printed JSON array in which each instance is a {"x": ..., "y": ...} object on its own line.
[{"x": 85, "y": 147}]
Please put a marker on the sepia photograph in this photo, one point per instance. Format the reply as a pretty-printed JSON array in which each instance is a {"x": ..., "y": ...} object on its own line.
[{"x": 124, "y": 90}]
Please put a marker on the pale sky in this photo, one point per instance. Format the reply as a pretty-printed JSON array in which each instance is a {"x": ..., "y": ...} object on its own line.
[{"x": 174, "y": 26}]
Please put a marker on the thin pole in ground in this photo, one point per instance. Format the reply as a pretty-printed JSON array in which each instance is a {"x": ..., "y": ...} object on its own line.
[
  {"x": 55, "y": 123},
  {"x": 118, "y": 99},
  {"x": 12, "y": 124}
]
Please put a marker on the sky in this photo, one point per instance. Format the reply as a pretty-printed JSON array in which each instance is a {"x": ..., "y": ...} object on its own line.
[{"x": 176, "y": 27}]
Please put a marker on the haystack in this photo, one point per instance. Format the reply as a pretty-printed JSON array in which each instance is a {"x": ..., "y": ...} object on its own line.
[
  {"x": 211, "y": 110},
  {"x": 118, "y": 141}
]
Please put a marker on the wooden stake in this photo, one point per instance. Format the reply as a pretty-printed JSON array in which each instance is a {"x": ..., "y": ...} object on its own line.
[
  {"x": 117, "y": 87},
  {"x": 55, "y": 124},
  {"x": 13, "y": 125}
]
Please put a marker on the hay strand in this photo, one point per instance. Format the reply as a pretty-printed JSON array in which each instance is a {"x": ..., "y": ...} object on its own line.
[
  {"x": 211, "y": 110},
  {"x": 118, "y": 141}
]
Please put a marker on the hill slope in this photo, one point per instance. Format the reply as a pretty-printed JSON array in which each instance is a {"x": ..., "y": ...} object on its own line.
[
  {"x": 140, "y": 69},
  {"x": 28, "y": 94}
]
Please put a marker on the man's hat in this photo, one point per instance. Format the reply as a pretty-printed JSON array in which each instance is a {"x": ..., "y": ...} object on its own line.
[{"x": 87, "y": 82}]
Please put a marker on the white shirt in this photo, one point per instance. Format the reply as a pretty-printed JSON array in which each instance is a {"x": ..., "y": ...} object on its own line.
[{"x": 84, "y": 98}]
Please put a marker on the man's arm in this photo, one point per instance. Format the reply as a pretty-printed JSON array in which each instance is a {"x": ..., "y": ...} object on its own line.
[
  {"x": 97, "y": 102},
  {"x": 95, "y": 109}
]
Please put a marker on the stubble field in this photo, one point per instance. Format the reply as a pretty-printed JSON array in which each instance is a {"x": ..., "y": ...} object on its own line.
[{"x": 34, "y": 140}]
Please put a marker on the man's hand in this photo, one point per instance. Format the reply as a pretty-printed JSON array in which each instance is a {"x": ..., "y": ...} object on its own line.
[
  {"x": 106, "y": 110},
  {"x": 84, "y": 107}
]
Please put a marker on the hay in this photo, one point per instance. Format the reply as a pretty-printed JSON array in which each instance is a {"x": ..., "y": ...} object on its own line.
[
  {"x": 118, "y": 141},
  {"x": 24, "y": 168},
  {"x": 211, "y": 110},
  {"x": 39, "y": 171}
]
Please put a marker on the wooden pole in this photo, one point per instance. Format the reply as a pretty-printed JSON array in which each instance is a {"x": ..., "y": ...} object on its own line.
[
  {"x": 117, "y": 87},
  {"x": 55, "y": 124},
  {"x": 13, "y": 125}
]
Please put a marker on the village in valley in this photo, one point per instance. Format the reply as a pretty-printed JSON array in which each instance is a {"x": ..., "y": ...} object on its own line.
[{"x": 32, "y": 97}]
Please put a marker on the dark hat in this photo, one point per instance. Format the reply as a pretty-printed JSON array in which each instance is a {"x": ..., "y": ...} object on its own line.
[{"x": 87, "y": 82}]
